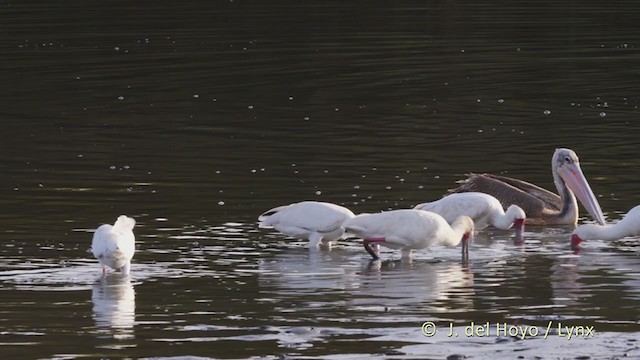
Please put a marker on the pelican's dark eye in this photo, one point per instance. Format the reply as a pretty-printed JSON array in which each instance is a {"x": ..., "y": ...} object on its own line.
[{"x": 568, "y": 160}]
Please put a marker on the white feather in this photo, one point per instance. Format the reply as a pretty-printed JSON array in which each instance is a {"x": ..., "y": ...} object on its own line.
[
  {"x": 483, "y": 208},
  {"x": 628, "y": 226},
  {"x": 409, "y": 229},
  {"x": 316, "y": 221},
  {"x": 114, "y": 246}
]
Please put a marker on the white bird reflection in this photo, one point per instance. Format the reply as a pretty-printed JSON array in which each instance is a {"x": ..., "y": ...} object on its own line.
[
  {"x": 580, "y": 280},
  {"x": 310, "y": 271},
  {"x": 436, "y": 286},
  {"x": 339, "y": 278},
  {"x": 114, "y": 305}
]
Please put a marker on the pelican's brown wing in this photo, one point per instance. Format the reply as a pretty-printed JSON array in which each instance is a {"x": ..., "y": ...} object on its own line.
[{"x": 534, "y": 200}]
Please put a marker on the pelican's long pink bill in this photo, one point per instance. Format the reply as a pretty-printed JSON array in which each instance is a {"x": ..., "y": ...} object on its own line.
[{"x": 576, "y": 182}]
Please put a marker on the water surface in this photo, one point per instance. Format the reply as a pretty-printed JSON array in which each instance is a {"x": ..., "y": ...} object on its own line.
[{"x": 196, "y": 117}]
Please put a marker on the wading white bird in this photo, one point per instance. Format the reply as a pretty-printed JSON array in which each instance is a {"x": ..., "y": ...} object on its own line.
[
  {"x": 114, "y": 246},
  {"x": 542, "y": 206},
  {"x": 320, "y": 222},
  {"x": 409, "y": 229},
  {"x": 482, "y": 208},
  {"x": 628, "y": 226}
]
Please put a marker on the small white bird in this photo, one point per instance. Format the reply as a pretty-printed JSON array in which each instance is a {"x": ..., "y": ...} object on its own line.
[
  {"x": 482, "y": 208},
  {"x": 114, "y": 246},
  {"x": 320, "y": 222},
  {"x": 409, "y": 229},
  {"x": 628, "y": 226}
]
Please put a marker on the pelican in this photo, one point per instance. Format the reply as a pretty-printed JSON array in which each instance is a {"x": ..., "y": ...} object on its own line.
[
  {"x": 409, "y": 229},
  {"x": 541, "y": 206},
  {"x": 114, "y": 246},
  {"x": 482, "y": 208},
  {"x": 320, "y": 222},
  {"x": 628, "y": 226}
]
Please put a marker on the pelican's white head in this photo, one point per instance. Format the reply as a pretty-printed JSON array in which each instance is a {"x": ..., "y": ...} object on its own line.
[{"x": 566, "y": 168}]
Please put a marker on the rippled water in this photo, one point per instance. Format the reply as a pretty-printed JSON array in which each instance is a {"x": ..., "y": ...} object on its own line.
[{"x": 196, "y": 117}]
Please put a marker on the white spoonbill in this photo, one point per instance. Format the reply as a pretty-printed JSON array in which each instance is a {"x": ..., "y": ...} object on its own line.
[
  {"x": 482, "y": 208},
  {"x": 628, "y": 226},
  {"x": 114, "y": 246},
  {"x": 320, "y": 222},
  {"x": 542, "y": 206},
  {"x": 409, "y": 229}
]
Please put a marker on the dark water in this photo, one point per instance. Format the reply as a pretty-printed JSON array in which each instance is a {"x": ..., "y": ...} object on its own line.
[{"x": 195, "y": 117}]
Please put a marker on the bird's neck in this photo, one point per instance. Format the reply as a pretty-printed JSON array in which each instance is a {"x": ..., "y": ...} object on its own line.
[
  {"x": 625, "y": 227},
  {"x": 503, "y": 221},
  {"x": 609, "y": 232},
  {"x": 569, "y": 210},
  {"x": 453, "y": 236}
]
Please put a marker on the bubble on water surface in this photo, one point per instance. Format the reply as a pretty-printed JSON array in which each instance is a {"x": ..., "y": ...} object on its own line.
[{"x": 547, "y": 112}]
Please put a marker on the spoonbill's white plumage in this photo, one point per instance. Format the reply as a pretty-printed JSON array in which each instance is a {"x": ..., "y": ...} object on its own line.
[
  {"x": 628, "y": 226},
  {"x": 114, "y": 245},
  {"x": 482, "y": 208},
  {"x": 541, "y": 206},
  {"x": 409, "y": 229},
  {"x": 320, "y": 222}
]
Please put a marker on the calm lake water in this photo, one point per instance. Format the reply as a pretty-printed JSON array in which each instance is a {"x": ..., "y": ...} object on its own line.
[{"x": 194, "y": 117}]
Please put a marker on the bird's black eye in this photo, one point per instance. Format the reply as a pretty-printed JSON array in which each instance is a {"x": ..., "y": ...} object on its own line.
[{"x": 568, "y": 160}]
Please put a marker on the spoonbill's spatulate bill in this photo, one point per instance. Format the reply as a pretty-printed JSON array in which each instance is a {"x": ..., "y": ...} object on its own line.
[
  {"x": 409, "y": 229},
  {"x": 114, "y": 245},
  {"x": 541, "y": 206},
  {"x": 320, "y": 222},
  {"x": 482, "y": 208},
  {"x": 628, "y": 226}
]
